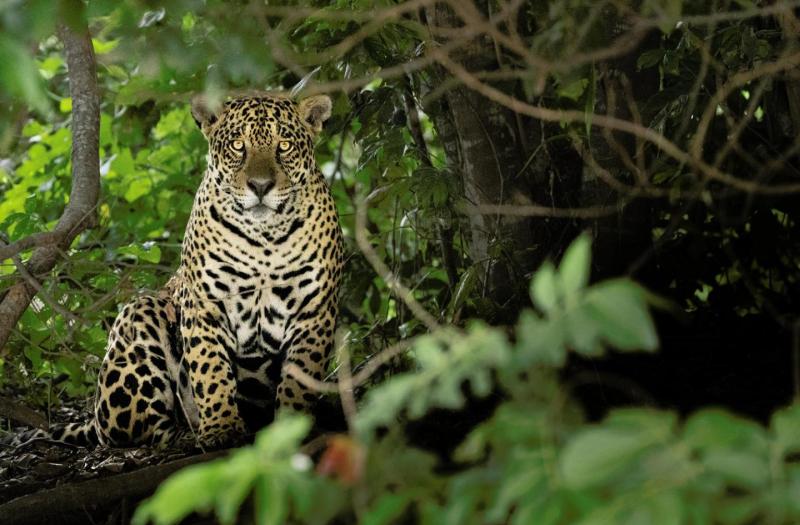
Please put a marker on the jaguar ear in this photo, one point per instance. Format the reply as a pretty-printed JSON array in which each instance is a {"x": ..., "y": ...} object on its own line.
[
  {"x": 205, "y": 113},
  {"x": 314, "y": 111}
]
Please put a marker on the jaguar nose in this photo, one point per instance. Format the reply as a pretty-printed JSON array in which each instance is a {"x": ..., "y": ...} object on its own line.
[{"x": 260, "y": 187}]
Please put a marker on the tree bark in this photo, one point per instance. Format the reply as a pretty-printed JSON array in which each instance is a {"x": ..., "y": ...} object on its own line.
[
  {"x": 80, "y": 212},
  {"x": 790, "y": 26},
  {"x": 491, "y": 148},
  {"x": 444, "y": 231}
]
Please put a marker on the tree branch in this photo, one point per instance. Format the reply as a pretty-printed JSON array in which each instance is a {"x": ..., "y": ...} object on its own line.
[
  {"x": 32, "y": 241},
  {"x": 79, "y": 213}
]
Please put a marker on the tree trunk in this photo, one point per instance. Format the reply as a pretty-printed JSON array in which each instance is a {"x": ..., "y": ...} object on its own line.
[
  {"x": 790, "y": 26},
  {"x": 491, "y": 149},
  {"x": 80, "y": 212}
]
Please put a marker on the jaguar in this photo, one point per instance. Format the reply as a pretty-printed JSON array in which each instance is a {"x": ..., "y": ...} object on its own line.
[{"x": 256, "y": 289}]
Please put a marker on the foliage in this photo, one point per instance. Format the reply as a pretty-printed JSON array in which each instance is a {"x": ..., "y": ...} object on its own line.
[
  {"x": 272, "y": 469},
  {"x": 727, "y": 258},
  {"x": 147, "y": 198},
  {"x": 534, "y": 459},
  {"x": 151, "y": 157}
]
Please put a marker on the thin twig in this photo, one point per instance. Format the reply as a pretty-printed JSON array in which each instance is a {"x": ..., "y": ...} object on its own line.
[
  {"x": 392, "y": 281},
  {"x": 345, "y": 382},
  {"x": 32, "y": 241},
  {"x": 361, "y": 377}
]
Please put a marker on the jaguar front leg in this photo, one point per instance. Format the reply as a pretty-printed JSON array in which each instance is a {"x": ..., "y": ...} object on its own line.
[
  {"x": 208, "y": 346},
  {"x": 309, "y": 345}
]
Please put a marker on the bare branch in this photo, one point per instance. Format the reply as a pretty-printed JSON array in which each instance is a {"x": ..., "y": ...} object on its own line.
[
  {"x": 534, "y": 210},
  {"x": 372, "y": 366},
  {"x": 345, "y": 383},
  {"x": 37, "y": 286},
  {"x": 32, "y": 241},
  {"x": 648, "y": 134},
  {"x": 383, "y": 271}
]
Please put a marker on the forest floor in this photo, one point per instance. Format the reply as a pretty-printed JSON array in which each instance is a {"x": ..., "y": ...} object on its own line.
[
  {"x": 42, "y": 481},
  {"x": 47, "y": 482}
]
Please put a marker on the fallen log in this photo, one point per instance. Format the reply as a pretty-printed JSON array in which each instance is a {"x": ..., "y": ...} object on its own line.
[
  {"x": 72, "y": 503},
  {"x": 22, "y": 414}
]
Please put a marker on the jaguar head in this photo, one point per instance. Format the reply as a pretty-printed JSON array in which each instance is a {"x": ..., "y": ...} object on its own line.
[{"x": 261, "y": 148}]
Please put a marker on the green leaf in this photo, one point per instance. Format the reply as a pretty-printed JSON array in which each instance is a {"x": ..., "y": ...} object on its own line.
[
  {"x": 50, "y": 66},
  {"x": 543, "y": 288},
  {"x": 666, "y": 508},
  {"x": 173, "y": 123},
  {"x": 137, "y": 188},
  {"x": 650, "y": 58},
  {"x": 583, "y": 332},
  {"x": 146, "y": 252},
  {"x": 106, "y": 135},
  {"x": 597, "y": 456},
  {"x": 123, "y": 163},
  {"x": 192, "y": 489},
  {"x": 785, "y": 426},
  {"x": 711, "y": 429},
  {"x": 539, "y": 342},
  {"x": 315, "y": 500},
  {"x": 224, "y": 484},
  {"x": 541, "y": 509},
  {"x": 466, "y": 284},
  {"x": 573, "y": 272},
  {"x": 283, "y": 436},
  {"x": 620, "y": 309},
  {"x": 446, "y": 360},
  {"x": 102, "y": 48},
  {"x": 574, "y": 89},
  {"x": 384, "y": 403},
  {"x": 242, "y": 470},
  {"x": 525, "y": 478},
  {"x": 387, "y": 508},
  {"x": 739, "y": 468},
  {"x": 270, "y": 502},
  {"x": 638, "y": 508}
]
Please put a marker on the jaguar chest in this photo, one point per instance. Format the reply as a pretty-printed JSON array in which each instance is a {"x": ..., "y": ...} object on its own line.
[
  {"x": 261, "y": 316},
  {"x": 259, "y": 291}
]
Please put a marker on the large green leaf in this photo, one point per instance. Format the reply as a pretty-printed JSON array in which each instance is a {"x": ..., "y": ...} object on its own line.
[
  {"x": 598, "y": 456},
  {"x": 619, "y": 306},
  {"x": 544, "y": 288},
  {"x": 573, "y": 272}
]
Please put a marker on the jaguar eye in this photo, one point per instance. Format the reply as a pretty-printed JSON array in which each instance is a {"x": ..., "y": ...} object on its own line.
[
  {"x": 237, "y": 146},
  {"x": 284, "y": 146}
]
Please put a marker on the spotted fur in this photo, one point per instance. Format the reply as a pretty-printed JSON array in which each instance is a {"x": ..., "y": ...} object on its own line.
[{"x": 257, "y": 288}]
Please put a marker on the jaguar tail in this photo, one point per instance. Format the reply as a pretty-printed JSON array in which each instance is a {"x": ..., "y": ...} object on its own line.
[{"x": 79, "y": 434}]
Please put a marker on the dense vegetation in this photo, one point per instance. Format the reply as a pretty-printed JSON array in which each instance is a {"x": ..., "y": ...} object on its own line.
[{"x": 470, "y": 144}]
